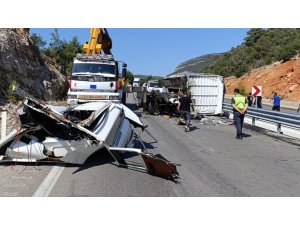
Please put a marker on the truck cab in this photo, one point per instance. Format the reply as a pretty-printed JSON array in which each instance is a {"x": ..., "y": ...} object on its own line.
[
  {"x": 136, "y": 82},
  {"x": 154, "y": 85},
  {"x": 95, "y": 78}
]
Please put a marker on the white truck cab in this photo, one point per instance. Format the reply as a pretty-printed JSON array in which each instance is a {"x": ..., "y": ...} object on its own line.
[
  {"x": 95, "y": 78},
  {"x": 154, "y": 85},
  {"x": 136, "y": 82}
]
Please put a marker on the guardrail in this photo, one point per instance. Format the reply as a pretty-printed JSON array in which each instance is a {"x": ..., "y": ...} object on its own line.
[{"x": 279, "y": 118}]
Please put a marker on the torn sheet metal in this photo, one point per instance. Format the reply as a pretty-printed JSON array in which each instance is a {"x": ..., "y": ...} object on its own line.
[{"x": 72, "y": 134}]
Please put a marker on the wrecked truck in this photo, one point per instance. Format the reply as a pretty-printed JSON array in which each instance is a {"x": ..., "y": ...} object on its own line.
[{"x": 71, "y": 134}]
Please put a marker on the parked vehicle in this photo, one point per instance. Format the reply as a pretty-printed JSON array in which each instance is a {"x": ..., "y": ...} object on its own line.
[
  {"x": 95, "y": 74},
  {"x": 136, "y": 82}
]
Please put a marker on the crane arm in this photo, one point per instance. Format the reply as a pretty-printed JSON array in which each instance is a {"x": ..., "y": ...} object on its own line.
[{"x": 99, "y": 42}]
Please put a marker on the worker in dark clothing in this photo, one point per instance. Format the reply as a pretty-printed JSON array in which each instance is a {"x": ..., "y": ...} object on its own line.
[
  {"x": 239, "y": 106},
  {"x": 250, "y": 99},
  {"x": 276, "y": 102},
  {"x": 184, "y": 105}
]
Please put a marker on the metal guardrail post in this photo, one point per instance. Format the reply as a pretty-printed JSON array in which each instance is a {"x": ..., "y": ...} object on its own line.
[
  {"x": 3, "y": 124},
  {"x": 253, "y": 121},
  {"x": 279, "y": 128}
]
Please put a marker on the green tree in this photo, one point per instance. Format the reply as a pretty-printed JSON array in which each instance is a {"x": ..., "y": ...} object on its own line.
[
  {"x": 38, "y": 41},
  {"x": 149, "y": 78},
  {"x": 63, "y": 51},
  {"x": 129, "y": 77},
  {"x": 56, "y": 43},
  {"x": 67, "y": 53}
]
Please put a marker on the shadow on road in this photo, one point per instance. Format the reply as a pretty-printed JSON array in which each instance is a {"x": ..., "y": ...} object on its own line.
[
  {"x": 101, "y": 157},
  {"x": 246, "y": 135}
]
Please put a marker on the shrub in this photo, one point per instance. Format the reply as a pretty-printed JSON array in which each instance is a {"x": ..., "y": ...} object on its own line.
[{"x": 10, "y": 95}]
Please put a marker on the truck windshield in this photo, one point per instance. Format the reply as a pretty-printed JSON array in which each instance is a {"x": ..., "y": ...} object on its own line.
[
  {"x": 153, "y": 84},
  {"x": 93, "y": 68}
]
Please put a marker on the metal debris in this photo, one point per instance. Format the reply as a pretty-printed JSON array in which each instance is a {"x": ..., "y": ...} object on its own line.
[{"x": 72, "y": 134}]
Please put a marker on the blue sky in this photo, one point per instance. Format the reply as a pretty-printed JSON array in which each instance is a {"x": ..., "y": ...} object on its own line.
[{"x": 158, "y": 51}]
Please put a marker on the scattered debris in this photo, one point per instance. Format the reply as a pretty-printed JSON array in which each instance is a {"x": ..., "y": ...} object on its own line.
[
  {"x": 216, "y": 121},
  {"x": 72, "y": 134}
]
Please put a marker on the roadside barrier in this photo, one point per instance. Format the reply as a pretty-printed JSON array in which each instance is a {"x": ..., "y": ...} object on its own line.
[{"x": 275, "y": 117}]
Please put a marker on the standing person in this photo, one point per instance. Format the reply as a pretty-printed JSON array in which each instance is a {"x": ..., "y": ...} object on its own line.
[
  {"x": 250, "y": 99},
  {"x": 258, "y": 102},
  {"x": 184, "y": 105},
  {"x": 276, "y": 102},
  {"x": 298, "y": 108},
  {"x": 239, "y": 106}
]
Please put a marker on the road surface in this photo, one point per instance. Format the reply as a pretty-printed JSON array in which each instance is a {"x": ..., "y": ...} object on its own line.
[{"x": 213, "y": 163}]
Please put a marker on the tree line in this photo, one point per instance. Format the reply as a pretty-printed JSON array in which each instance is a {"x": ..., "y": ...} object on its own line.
[
  {"x": 260, "y": 47},
  {"x": 62, "y": 51}
]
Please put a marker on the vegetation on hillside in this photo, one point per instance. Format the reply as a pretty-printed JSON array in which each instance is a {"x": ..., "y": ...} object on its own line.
[
  {"x": 61, "y": 51},
  {"x": 260, "y": 47}
]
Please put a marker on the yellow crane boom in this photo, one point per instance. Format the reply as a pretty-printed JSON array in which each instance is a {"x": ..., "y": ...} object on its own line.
[{"x": 99, "y": 42}]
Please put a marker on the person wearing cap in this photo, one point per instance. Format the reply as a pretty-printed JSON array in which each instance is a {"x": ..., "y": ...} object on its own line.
[{"x": 239, "y": 105}]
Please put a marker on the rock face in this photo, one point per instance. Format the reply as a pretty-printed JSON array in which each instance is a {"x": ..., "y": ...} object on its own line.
[
  {"x": 20, "y": 60},
  {"x": 283, "y": 78}
]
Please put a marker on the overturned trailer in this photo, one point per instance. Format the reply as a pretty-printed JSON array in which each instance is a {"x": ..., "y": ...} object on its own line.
[
  {"x": 206, "y": 90},
  {"x": 72, "y": 134}
]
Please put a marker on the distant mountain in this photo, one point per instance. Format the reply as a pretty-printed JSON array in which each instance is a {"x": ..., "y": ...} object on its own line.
[
  {"x": 154, "y": 77},
  {"x": 197, "y": 64}
]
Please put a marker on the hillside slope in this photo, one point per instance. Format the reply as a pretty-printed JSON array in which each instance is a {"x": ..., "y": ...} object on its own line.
[
  {"x": 196, "y": 65},
  {"x": 283, "y": 78},
  {"x": 20, "y": 60}
]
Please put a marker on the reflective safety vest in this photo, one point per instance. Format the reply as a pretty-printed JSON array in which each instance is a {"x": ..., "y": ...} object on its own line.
[{"x": 240, "y": 101}]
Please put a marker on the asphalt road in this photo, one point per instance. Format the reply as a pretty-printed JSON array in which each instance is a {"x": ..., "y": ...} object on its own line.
[{"x": 213, "y": 163}]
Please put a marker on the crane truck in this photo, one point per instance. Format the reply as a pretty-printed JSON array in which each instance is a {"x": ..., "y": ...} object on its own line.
[{"x": 95, "y": 73}]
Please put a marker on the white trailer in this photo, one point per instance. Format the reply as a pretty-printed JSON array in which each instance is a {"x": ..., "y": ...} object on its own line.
[{"x": 206, "y": 91}]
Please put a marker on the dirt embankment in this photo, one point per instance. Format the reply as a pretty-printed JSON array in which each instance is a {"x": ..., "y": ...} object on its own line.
[{"x": 283, "y": 78}]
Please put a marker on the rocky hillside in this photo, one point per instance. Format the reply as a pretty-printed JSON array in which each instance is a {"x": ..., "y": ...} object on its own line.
[
  {"x": 20, "y": 61},
  {"x": 197, "y": 64},
  {"x": 283, "y": 78}
]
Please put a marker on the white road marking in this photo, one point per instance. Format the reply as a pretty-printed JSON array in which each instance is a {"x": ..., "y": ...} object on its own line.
[{"x": 47, "y": 185}]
